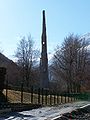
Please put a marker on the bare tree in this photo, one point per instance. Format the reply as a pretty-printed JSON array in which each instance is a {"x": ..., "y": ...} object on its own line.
[
  {"x": 26, "y": 58},
  {"x": 69, "y": 62}
]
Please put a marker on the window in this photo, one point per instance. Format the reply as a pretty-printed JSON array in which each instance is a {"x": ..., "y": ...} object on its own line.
[{"x": 43, "y": 43}]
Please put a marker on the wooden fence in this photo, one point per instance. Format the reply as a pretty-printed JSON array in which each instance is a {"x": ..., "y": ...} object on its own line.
[{"x": 38, "y": 96}]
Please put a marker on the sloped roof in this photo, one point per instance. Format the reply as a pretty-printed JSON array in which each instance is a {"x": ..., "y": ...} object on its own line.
[{"x": 12, "y": 69}]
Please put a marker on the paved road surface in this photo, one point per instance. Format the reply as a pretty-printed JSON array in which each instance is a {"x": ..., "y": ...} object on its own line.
[{"x": 51, "y": 113}]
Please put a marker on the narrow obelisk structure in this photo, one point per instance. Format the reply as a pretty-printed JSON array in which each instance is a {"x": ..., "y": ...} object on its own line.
[{"x": 44, "y": 82}]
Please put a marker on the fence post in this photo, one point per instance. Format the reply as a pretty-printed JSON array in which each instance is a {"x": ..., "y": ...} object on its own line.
[
  {"x": 61, "y": 98},
  {"x": 21, "y": 92},
  {"x": 74, "y": 97},
  {"x": 46, "y": 93},
  {"x": 38, "y": 95},
  {"x": 54, "y": 98},
  {"x": 68, "y": 97},
  {"x": 57, "y": 98},
  {"x": 42, "y": 96},
  {"x": 71, "y": 97},
  {"x": 50, "y": 98},
  {"x": 65, "y": 97},
  {"x": 32, "y": 94}
]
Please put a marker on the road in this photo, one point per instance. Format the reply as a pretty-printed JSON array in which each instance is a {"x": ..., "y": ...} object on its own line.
[
  {"x": 82, "y": 113},
  {"x": 50, "y": 113}
]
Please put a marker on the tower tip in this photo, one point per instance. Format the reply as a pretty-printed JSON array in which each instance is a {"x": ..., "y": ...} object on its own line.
[{"x": 43, "y": 11}]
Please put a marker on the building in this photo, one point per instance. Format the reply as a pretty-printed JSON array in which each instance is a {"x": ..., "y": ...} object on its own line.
[{"x": 12, "y": 70}]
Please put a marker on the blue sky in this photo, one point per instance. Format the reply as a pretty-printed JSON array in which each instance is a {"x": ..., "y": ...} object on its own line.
[{"x": 18, "y": 18}]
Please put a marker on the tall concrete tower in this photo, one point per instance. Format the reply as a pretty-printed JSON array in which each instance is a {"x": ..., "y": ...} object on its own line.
[{"x": 44, "y": 83}]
